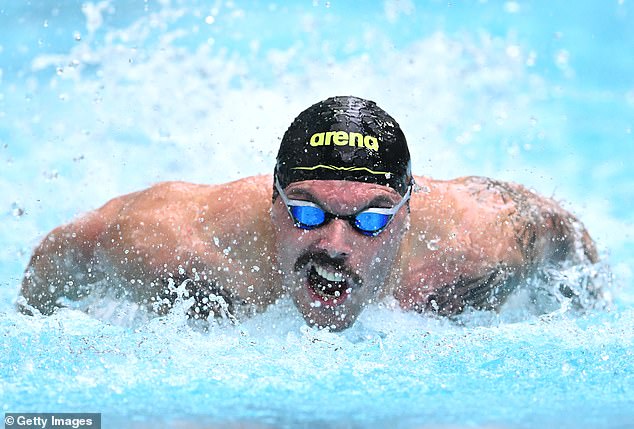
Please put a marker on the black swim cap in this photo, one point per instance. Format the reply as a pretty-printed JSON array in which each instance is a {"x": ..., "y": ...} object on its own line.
[{"x": 345, "y": 138}]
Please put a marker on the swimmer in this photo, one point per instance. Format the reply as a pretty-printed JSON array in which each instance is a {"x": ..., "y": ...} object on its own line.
[{"x": 341, "y": 223}]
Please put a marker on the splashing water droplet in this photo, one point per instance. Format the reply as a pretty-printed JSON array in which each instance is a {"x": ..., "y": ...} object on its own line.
[
  {"x": 433, "y": 244},
  {"x": 16, "y": 210},
  {"x": 51, "y": 175}
]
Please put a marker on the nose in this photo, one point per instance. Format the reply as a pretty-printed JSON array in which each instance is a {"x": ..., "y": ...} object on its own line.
[{"x": 336, "y": 238}]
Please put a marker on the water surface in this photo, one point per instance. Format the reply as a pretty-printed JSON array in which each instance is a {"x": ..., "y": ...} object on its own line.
[{"x": 99, "y": 99}]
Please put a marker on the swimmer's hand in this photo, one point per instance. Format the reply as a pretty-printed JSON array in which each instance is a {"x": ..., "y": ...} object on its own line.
[
  {"x": 209, "y": 299},
  {"x": 482, "y": 293}
]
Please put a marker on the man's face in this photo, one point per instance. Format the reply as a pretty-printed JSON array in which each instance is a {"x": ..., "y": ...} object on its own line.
[{"x": 333, "y": 271}]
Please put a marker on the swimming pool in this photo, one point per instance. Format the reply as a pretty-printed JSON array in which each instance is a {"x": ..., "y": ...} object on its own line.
[{"x": 102, "y": 98}]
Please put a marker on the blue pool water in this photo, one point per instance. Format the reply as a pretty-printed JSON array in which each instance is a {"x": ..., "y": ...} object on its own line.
[{"x": 103, "y": 98}]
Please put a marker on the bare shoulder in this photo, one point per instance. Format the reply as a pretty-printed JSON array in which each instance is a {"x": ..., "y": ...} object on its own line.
[
  {"x": 542, "y": 224},
  {"x": 469, "y": 223},
  {"x": 175, "y": 199},
  {"x": 248, "y": 186},
  {"x": 147, "y": 235},
  {"x": 472, "y": 239},
  {"x": 541, "y": 227},
  {"x": 479, "y": 189}
]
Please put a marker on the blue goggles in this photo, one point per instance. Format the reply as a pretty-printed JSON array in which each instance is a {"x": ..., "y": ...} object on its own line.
[{"x": 370, "y": 221}]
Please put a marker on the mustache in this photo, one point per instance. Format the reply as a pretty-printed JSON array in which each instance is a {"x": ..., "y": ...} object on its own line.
[{"x": 322, "y": 258}]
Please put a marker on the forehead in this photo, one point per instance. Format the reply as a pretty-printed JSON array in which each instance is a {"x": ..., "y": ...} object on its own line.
[{"x": 342, "y": 194}]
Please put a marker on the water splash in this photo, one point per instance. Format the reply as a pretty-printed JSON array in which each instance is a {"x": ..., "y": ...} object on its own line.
[{"x": 156, "y": 85}]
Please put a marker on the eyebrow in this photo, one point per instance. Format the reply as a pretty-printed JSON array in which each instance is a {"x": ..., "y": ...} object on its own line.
[
  {"x": 380, "y": 200},
  {"x": 301, "y": 193}
]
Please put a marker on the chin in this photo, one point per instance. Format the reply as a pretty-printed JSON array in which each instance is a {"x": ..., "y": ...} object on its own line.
[
  {"x": 333, "y": 314},
  {"x": 329, "y": 319}
]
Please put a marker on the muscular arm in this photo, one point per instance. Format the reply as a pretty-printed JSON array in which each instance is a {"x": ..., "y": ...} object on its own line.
[
  {"x": 65, "y": 260},
  {"x": 543, "y": 231},
  {"x": 474, "y": 239},
  {"x": 210, "y": 239}
]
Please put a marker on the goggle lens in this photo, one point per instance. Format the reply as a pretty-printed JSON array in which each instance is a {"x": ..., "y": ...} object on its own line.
[
  {"x": 307, "y": 216},
  {"x": 371, "y": 222}
]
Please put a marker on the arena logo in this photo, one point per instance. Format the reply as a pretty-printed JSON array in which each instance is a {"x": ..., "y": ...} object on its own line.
[{"x": 343, "y": 138}]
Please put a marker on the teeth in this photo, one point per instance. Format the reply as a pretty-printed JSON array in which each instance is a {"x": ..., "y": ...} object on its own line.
[{"x": 332, "y": 276}]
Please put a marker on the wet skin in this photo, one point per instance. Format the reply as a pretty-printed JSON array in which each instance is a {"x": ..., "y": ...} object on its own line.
[
  {"x": 334, "y": 271},
  {"x": 465, "y": 243}
]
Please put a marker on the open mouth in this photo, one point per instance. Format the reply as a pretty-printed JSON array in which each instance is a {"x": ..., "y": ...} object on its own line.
[{"x": 328, "y": 284}]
